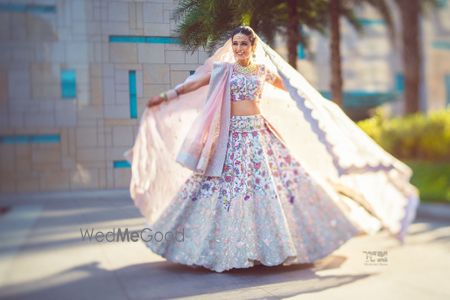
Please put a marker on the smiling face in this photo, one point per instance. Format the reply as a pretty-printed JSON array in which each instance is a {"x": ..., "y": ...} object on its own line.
[{"x": 242, "y": 48}]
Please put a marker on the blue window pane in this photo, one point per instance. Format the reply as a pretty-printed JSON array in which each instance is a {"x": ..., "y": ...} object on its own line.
[
  {"x": 442, "y": 3},
  {"x": 143, "y": 39},
  {"x": 68, "y": 84},
  {"x": 301, "y": 51},
  {"x": 361, "y": 98},
  {"x": 27, "y": 8},
  {"x": 443, "y": 45},
  {"x": 30, "y": 139},
  {"x": 121, "y": 164},
  {"x": 370, "y": 22},
  {"x": 133, "y": 96},
  {"x": 400, "y": 82}
]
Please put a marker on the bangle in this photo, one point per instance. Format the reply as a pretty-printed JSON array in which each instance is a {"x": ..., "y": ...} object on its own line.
[
  {"x": 164, "y": 96},
  {"x": 179, "y": 86},
  {"x": 171, "y": 94}
]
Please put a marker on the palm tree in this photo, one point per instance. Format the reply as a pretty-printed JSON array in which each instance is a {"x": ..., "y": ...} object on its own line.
[
  {"x": 293, "y": 32},
  {"x": 303, "y": 13},
  {"x": 410, "y": 11},
  {"x": 204, "y": 23},
  {"x": 335, "y": 50},
  {"x": 410, "y": 14},
  {"x": 336, "y": 9},
  {"x": 411, "y": 52}
]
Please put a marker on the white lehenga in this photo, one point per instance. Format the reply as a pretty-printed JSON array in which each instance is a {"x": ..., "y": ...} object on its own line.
[
  {"x": 265, "y": 208},
  {"x": 345, "y": 183}
]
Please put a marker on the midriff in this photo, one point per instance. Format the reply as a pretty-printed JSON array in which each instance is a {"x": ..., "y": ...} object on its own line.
[{"x": 245, "y": 108}]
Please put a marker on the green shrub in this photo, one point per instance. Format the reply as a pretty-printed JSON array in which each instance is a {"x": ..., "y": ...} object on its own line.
[
  {"x": 432, "y": 179},
  {"x": 415, "y": 137}
]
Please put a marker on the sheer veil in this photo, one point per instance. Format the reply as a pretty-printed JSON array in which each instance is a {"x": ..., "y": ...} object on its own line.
[{"x": 371, "y": 186}]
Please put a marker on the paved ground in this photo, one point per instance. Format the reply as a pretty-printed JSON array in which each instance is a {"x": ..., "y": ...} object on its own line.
[{"x": 42, "y": 256}]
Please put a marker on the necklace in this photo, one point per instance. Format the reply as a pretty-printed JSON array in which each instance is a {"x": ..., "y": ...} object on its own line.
[{"x": 250, "y": 69}]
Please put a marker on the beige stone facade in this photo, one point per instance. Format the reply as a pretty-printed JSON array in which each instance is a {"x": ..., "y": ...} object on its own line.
[{"x": 75, "y": 76}]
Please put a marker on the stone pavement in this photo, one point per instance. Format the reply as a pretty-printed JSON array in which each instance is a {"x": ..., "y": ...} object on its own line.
[{"x": 42, "y": 256}]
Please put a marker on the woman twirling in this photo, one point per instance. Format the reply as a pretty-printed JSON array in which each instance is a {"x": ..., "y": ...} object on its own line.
[{"x": 252, "y": 175}]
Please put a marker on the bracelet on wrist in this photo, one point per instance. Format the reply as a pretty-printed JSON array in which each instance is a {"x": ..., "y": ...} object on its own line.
[
  {"x": 163, "y": 96},
  {"x": 178, "y": 87},
  {"x": 171, "y": 94}
]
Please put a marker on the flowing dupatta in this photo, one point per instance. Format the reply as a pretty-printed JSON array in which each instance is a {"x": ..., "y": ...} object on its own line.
[
  {"x": 179, "y": 138},
  {"x": 199, "y": 150}
]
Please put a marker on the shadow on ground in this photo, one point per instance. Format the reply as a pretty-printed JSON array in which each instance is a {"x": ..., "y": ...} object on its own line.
[{"x": 168, "y": 280}]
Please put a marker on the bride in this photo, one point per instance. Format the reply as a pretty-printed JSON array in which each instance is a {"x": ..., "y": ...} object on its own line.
[{"x": 254, "y": 166}]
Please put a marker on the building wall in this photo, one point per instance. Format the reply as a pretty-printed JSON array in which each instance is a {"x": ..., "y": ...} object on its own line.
[
  {"x": 73, "y": 83},
  {"x": 75, "y": 76},
  {"x": 372, "y": 64},
  {"x": 437, "y": 57}
]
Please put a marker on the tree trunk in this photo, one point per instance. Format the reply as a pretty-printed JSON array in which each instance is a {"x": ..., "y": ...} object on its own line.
[
  {"x": 410, "y": 18},
  {"x": 293, "y": 32},
  {"x": 336, "y": 72}
]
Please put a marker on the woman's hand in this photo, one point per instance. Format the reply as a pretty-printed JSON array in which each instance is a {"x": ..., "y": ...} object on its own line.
[
  {"x": 278, "y": 82},
  {"x": 154, "y": 101}
]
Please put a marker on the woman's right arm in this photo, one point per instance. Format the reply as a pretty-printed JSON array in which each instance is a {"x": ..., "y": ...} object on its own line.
[
  {"x": 182, "y": 89},
  {"x": 193, "y": 85}
]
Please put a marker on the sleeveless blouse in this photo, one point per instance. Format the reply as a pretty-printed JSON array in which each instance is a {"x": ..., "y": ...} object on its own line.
[{"x": 249, "y": 86}]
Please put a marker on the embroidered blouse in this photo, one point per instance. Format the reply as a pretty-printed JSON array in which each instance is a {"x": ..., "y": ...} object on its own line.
[{"x": 250, "y": 86}]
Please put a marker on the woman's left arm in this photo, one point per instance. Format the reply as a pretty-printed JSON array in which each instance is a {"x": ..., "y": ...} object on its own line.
[
  {"x": 278, "y": 82},
  {"x": 274, "y": 79}
]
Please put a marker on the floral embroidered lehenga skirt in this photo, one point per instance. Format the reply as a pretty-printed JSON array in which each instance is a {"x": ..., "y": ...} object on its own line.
[{"x": 264, "y": 209}]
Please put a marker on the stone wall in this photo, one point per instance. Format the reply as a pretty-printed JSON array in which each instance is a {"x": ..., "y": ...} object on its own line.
[
  {"x": 75, "y": 76},
  {"x": 74, "y": 79}
]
